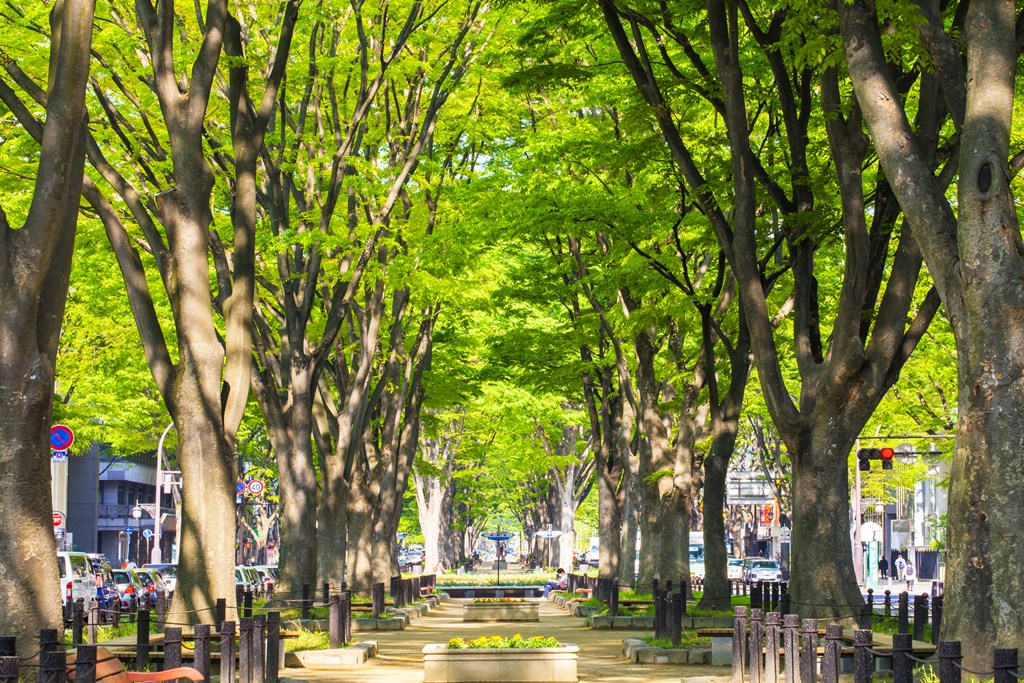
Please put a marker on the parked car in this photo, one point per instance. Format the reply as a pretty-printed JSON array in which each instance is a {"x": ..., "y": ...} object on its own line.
[
  {"x": 266, "y": 580},
  {"x": 131, "y": 588},
  {"x": 764, "y": 570},
  {"x": 247, "y": 579},
  {"x": 153, "y": 583},
  {"x": 76, "y": 577},
  {"x": 734, "y": 570},
  {"x": 170, "y": 574}
]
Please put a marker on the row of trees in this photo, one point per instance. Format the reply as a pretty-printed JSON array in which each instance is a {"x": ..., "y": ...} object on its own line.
[{"x": 534, "y": 250}]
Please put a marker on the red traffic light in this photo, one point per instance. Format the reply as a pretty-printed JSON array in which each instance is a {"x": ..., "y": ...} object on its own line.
[{"x": 887, "y": 453}]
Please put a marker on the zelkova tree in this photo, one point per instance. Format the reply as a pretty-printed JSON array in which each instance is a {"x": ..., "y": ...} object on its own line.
[
  {"x": 847, "y": 356},
  {"x": 369, "y": 433},
  {"x": 317, "y": 251},
  {"x": 35, "y": 264},
  {"x": 163, "y": 179},
  {"x": 975, "y": 253}
]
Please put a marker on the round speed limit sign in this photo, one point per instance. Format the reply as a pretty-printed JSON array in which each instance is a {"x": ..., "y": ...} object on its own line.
[{"x": 254, "y": 487}]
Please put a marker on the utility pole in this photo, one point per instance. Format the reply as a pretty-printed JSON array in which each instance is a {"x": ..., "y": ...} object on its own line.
[{"x": 858, "y": 550}]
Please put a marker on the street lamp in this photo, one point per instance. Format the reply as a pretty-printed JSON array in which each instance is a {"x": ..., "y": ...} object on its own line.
[{"x": 137, "y": 515}]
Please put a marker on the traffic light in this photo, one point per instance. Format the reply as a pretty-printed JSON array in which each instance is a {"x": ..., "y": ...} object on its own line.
[
  {"x": 865, "y": 456},
  {"x": 886, "y": 454}
]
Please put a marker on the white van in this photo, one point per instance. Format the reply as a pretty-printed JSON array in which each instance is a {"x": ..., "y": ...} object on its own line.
[{"x": 76, "y": 578}]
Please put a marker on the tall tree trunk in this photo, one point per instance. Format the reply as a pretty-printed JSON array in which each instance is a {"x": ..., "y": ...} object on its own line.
[
  {"x": 35, "y": 265},
  {"x": 717, "y": 594}
]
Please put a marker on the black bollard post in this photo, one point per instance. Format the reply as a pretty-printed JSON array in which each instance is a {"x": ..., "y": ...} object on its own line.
[
  {"x": 247, "y": 604},
  {"x": 833, "y": 644},
  {"x": 949, "y": 662},
  {"x": 220, "y": 612},
  {"x": 53, "y": 666},
  {"x": 1004, "y": 666},
  {"x": 902, "y": 665},
  {"x": 739, "y": 638},
  {"x": 754, "y": 646},
  {"x": 172, "y": 648},
  {"x": 936, "y": 618},
  {"x": 160, "y": 608},
  {"x": 678, "y": 609},
  {"x": 396, "y": 591},
  {"x": 755, "y": 596},
  {"x": 142, "y": 640},
  {"x": 227, "y": 651},
  {"x": 346, "y": 616},
  {"x": 201, "y": 650},
  {"x": 85, "y": 664},
  {"x": 273, "y": 647},
  {"x": 864, "y": 616},
  {"x": 920, "y": 615},
  {"x": 245, "y": 650},
  {"x": 862, "y": 659},
  {"x": 8, "y": 646},
  {"x": 334, "y": 622},
  {"x": 77, "y": 622},
  {"x": 888, "y": 603},
  {"x": 903, "y": 614},
  {"x": 775, "y": 596},
  {"x": 377, "y": 597},
  {"x": 48, "y": 640},
  {"x": 790, "y": 643},
  {"x": 772, "y": 622},
  {"x": 307, "y": 600},
  {"x": 613, "y": 598},
  {"x": 325, "y": 593},
  {"x": 257, "y": 645},
  {"x": 809, "y": 651}
]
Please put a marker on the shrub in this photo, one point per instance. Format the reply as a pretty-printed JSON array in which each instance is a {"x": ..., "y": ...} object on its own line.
[{"x": 498, "y": 642}]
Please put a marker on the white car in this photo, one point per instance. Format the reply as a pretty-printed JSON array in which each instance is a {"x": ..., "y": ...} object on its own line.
[
  {"x": 734, "y": 570},
  {"x": 76, "y": 577},
  {"x": 764, "y": 570}
]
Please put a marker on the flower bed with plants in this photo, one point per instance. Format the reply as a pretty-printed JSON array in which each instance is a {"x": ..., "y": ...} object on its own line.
[
  {"x": 494, "y": 658},
  {"x": 501, "y": 609}
]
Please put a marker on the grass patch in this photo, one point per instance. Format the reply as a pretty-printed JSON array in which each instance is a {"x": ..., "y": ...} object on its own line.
[
  {"x": 308, "y": 640},
  {"x": 106, "y": 632},
  {"x": 638, "y": 611},
  {"x": 890, "y": 625},
  {"x": 687, "y": 641}
]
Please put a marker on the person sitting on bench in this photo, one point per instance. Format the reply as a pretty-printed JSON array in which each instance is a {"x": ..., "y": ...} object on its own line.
[{"x": 559, "y": 583}]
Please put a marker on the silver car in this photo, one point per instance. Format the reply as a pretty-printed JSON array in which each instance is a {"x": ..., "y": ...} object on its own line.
[{"x": 764, "y": 570}]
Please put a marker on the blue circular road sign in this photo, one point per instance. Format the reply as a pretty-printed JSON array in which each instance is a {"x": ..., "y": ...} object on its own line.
[
  {"x": 147, "y": 533},
  {"x": 61, "y": 437}
]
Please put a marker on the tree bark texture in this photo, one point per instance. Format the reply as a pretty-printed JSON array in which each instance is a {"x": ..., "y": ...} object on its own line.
[
  {"x": 35, "y": 266},
  {"x": 975, "y": 256}
]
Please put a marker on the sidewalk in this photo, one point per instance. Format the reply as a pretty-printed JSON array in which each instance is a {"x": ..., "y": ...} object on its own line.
[{"x": 600, "y": 659}]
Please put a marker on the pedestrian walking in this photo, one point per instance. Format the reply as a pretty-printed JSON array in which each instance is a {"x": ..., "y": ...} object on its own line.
[
  {"x": 901, "y": 566},
  {"x": 910, "y": 574},
  {"x": 883, "y": 568}
]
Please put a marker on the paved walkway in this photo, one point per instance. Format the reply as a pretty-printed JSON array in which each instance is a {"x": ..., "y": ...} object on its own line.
[{"x": 600, "y": 659}]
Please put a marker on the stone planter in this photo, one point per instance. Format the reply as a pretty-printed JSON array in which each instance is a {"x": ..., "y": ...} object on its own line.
[
  {"x": 523, "y": 665},
  {"x": 338, "y": 658},
  {"x": 639, "y": 652},
  {"x": 623, "y": 623},
  {"x": 501, "y": 611},
  {"x": 395, "y": 623}
]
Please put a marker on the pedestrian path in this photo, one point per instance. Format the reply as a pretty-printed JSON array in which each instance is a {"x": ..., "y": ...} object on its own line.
[{"x": 401, "y": 660}]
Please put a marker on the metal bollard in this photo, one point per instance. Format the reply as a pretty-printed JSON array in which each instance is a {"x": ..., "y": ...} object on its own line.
[
  {"x": 739, "y": 638},
  {"x": 201, "y": 651},
  {"x": 809, "y": 651}
]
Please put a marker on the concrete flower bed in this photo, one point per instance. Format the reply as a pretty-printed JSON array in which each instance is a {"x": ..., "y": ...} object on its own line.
[
  {"x": 639, "y": 652},
  {"x": 521, "y": 665},
  {"x": 337, "y": 658},
  {"x": 501, "y": 611},
  {"x": 394, "y": 623},
  {"x": 623, "y": 623}
]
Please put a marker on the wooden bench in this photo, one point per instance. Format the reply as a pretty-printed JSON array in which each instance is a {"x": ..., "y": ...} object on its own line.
[{"x": 110, "y": 670}]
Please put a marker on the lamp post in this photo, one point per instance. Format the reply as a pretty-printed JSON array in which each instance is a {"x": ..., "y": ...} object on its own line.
[
  {"x": 156, "y": 555},
  {"x": 137, "y": 515}
]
